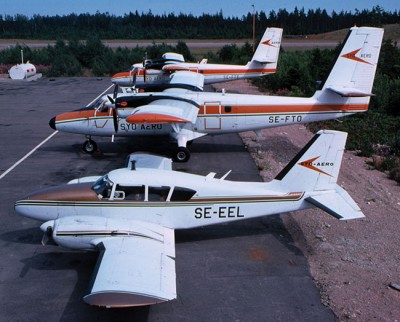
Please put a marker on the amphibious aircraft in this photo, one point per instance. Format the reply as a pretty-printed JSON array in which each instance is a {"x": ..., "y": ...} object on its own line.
[
  {"x": 130, "y": 214},
  {"x": 185, "y": 113},
  {"x": 155, "y": 72}
]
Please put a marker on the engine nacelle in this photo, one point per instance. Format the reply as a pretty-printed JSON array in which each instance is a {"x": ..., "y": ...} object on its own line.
[{"x": 86, "y": 232}]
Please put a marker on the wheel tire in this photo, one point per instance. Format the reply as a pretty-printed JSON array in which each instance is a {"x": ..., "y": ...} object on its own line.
[
  {"x": 182, "y": 155},
  {"x": 89, "y": 147}
]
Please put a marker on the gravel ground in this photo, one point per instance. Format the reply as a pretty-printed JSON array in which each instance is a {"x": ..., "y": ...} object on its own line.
[{"x": 354, "y": 263}]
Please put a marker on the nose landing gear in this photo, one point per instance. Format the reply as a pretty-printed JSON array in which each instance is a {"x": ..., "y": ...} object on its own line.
[{"x": 89, "y": 146}]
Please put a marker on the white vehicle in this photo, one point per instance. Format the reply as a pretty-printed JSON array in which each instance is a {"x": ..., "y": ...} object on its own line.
[
  {"x": 156, "y": 72},
  {"x": 130, "y": 214},
  {"x": 186, "y": 115}
]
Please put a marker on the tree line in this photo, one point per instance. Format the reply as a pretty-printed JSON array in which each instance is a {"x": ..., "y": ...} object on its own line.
[{"x": 135, "y": 25}]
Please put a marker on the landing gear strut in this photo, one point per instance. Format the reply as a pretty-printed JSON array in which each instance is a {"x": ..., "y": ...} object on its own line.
[
  {"x": 181, "y": 154},
  {"x": 89, "y": 146}
]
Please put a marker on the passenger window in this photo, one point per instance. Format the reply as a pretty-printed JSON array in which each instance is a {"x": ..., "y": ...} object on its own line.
[
  {"x": 132, "y": 192},
  {"x": 182, "y": 194},
  {"x": 158, "y": 193}
]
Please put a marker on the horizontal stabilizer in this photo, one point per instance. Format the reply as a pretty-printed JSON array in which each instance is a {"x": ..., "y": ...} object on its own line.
[
  {"x": 349, "y": 92},
  {"x": 337, "y": 203}
]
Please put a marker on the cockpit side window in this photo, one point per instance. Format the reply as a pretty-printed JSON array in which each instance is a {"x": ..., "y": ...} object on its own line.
[
  {"x": 136, "y": 193},
  {"x": 158, "y": 193},
  {"x": 182, "y": 194}
]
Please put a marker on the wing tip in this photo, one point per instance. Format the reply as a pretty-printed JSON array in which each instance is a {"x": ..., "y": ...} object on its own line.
[{"x": 119, "y": 299}]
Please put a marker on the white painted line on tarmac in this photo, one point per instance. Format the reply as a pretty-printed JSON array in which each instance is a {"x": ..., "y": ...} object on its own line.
[
  {"x": 43, "y": 142},
  {"x": 27, "y": 155}
]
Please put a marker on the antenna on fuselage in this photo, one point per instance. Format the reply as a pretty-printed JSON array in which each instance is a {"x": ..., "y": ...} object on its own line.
[{"x": 133, "y": 165}]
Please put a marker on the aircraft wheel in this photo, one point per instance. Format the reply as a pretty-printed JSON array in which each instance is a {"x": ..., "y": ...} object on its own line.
[
  {"x": 89, "y": 146},
  {"x": 182, "y": 154}
]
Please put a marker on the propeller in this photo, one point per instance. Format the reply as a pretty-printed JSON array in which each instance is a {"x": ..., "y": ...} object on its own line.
[
  {"x": 48, "y": 235},
  {"x": 114, "y": 108},
  {"x": 135, "y": 70}
]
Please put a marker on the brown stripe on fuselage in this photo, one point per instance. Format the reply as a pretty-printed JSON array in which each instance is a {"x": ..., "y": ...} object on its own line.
[{"x": 66, "y": 192}]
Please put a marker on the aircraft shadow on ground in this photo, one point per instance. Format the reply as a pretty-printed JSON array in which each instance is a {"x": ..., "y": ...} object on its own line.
[
  {"x": 83, "y": 264},
  {"x": 23, "y": 236},
  {"x": 156, "y": 145},
  {"x": 249, "y": 227}
]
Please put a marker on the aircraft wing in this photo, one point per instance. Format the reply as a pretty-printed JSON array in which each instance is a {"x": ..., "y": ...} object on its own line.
[
  {"x": 134, "y": 270},
  {"x": 167, "y": 110},
  {"x": 138, "y": 160},
  {"x": 174, "y": 67}
]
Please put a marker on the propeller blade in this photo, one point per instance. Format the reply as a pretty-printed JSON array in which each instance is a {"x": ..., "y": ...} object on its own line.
[
  {"x": 134, "y": 77},
  {"x": 47, "y": 235},
  {"x": 115, "y": 120},
  {"x": 111, "y": 99},
  {"x": 115, "y": 92}
]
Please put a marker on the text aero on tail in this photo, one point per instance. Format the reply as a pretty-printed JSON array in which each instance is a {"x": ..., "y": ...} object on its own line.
[
  {"x": 315, "y": 169},
  {"x": 354, "y": 71}
]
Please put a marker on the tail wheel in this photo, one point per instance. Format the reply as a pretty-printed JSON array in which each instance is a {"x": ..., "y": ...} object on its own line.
[
  {"x": 89, "y": 146},
  {"x": 182, "y": 154}
]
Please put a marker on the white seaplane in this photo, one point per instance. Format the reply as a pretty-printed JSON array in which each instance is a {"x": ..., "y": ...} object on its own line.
[
  {"x": 129, "y": 215},
  {"x": 186, "y": 115},
  {"x": 156, "y": 72}
]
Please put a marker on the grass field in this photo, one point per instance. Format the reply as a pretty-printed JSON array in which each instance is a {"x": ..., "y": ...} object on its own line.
[{"x": 200, "y": 47}]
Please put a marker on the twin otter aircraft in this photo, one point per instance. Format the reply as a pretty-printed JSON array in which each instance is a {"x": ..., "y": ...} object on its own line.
[
  {"x": 129, "y": 215},
  {"x": 185, "y": 113},
  {"x": 156, "y": 72}
]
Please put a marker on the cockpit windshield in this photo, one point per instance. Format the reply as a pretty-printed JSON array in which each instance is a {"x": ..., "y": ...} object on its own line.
[
  {"x": 100, "y": 104},
  {"x": 103, "y": 187}
]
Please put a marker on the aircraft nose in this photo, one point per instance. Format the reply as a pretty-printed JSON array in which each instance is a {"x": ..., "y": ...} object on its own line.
[{"x": 52, "y": 123}]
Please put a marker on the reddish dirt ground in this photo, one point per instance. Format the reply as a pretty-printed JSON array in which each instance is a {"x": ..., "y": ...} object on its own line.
[{"x": 355, "y": 263}]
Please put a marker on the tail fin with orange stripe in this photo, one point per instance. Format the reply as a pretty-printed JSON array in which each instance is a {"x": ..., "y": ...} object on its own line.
[
  {"x": 315, "y": 170},
  {"x": 267, "y": 52},
  {"x": 354, "y": 71}
]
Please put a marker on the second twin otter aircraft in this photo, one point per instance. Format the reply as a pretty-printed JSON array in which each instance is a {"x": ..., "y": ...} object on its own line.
[
  {"x": 157, "y": 71},
  {"x": 130, "y": 215},
  {"x": 185, "y": 113}
]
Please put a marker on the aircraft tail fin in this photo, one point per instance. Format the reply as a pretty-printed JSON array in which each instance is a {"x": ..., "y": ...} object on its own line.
[
  {"x": 267, "y": 51},
  {"x": 354, "y": 70},
  {"x": 315, "y": 170}
]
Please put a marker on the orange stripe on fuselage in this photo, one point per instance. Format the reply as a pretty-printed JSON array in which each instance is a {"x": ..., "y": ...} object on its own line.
[
  {"x": 265, "y": 109},
  {"x": 234, "y": 110},
  {"x": 236, "y": 71},
  {"x": 77, "y": 115}
]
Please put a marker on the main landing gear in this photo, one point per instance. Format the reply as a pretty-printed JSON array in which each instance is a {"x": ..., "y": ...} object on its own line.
[
  {"x": 181, "y": 154},
  {"x": 89, "y": 146}
]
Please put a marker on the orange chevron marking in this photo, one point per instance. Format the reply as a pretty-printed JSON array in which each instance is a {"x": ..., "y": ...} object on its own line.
[
  {"x": 309, "y": 164},
  {"x": 267, "y": 43},
  {"x": 352, "y": 55}
]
